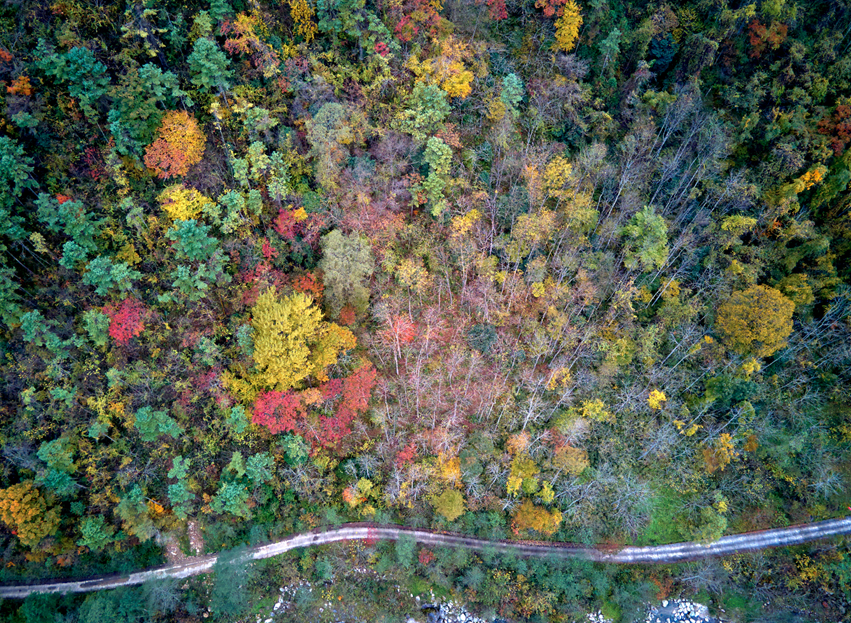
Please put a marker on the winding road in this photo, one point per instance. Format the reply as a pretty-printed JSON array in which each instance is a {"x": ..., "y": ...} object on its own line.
[{"x": 658, "y": 554}]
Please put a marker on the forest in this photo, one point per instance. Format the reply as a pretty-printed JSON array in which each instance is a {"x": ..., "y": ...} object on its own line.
[{"x": 551, "y": 270}]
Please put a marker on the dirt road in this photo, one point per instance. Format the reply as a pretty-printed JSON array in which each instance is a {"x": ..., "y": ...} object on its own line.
[{"x": 658, "y": 554}]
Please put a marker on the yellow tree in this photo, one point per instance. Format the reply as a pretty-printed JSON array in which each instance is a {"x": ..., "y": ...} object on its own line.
[
  {"x": 446, "y": 69},
  {"x": 528, "y": 516},
  {"x": 25, "y": 511},
  {"x": 292, "y": 342},
  {"x": 181, "y": 203},
  {"x": 179, "y": 145},
  {"x": 755, "y": 321},
  {"x": 567, "y": 27}
]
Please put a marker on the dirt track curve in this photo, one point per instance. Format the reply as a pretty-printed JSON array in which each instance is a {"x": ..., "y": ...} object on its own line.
[{"x": 658, "y": 554}]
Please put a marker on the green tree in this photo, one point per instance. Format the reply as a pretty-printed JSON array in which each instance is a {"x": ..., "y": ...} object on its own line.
[
  {"x": 15, "y": 177},
  {"x": 104, "y": 275},
  {"x": 426, "y": 110},
  {"x": 85, "y": 76},
  {"x": 755, "y": 321},
  {"x": 438, "y": 155},
  {"x": 96, "y": 533},
  {"x": 209, "y": 66},
  {"x": 151, "y": 424},
  {"x": 346, "y": 263},
  {"x": 232, "y": 575},
  {"x": 646, "y": 243}
]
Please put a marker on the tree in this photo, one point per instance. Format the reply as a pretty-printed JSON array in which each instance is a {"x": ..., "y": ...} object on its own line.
[
  {"x": 179, "y": 145},
  {"x": 25, "y": 511},
  {"x": 232, "y": 573},
  {"x": 292, "y": 342},
  {"x": 183, "y": 204},
  {"x": 209, "y": 66},
  {"x": 96, "y": 533},
  {"x": 528, "y": 516},
  {"x": 278, "y": 411},
  {"x": 567, "y": 26},
  {"x": 329, "y": 134},
  {"x": 450, "y": 504},
  {"x": 104, "y": 275},
  {"x": 151, "y": 424},
  {"x": 425, "y": 111},
  {"x": 755, "y": 321},
  {"x": 346, "y": 263},
  {"x": 125, "y": 320},
  {"x": 646, "y": 243}
]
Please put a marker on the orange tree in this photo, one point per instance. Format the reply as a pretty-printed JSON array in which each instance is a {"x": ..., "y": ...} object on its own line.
[{"x": 179, "y": 145}]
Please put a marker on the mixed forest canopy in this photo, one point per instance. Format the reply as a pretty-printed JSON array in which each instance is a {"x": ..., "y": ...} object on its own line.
[{"x": 536, "y": 270}]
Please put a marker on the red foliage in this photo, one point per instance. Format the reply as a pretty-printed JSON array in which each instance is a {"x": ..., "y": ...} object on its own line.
[
  {"x": 347, "y": 315},
  {"x": 126, "y": 320},
  {"x": 286, "y": 224},
  {"x": 838, "y": 127},
  {"x": 277, "y": 411},
  {"x": 60, "y": 199},
  {"x": 268, "y": 250},
  {"x": 309, "y": 284},
  {"x": 551, "y": 7},
  {"x": 413, "y": 15},
  {"x": 332, "y": 389},
  {"x": 426, "y": 557},
  {"x": 381, "y": 48},
  {"x": 406, "y": 455},
  {"x": 762, "y": 36},
  {"x": 357, "y": 388},
  {"x": 400, "y": 329},
  {"x": 496, "y": 9}
]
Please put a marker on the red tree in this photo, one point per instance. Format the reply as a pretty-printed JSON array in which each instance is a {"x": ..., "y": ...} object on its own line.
[
  {"x": 277, "y": 411},
  {"x": 126, "y": 320}
]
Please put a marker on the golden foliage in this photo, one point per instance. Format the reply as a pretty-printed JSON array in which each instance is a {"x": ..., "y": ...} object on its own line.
[
  {"x": 720, "y": 454},
  {"x": 567, "y": 27},
  {"x": 181, "y": 203},
  {"x": 756, "y": 321},
  {"x": 572, "y": 460},
  {"x": 528, "y": 516},
  {"x": 450, "y": 504},
  {"x": 24, "y": 510},
  {"x": 302, "y": 14},
  {"x": 179, "y": 145},
  {"x": 655, "y": 399},
  {"x": 446, "y": 69},
  {"x": 292, "y": 342}
]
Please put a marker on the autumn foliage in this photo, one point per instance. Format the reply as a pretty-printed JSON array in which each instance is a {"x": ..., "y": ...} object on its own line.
[
  {"x": 179, "y": 145},
  {"x": 280, "y": 412},
  {"x": 125, "y": 319},
  {"x": 25, "y": 511}
]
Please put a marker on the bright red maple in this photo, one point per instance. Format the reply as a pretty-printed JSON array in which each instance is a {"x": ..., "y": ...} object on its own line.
[
  {"x": 278, "y": 411},
  {"x": 126, "y": 321}
]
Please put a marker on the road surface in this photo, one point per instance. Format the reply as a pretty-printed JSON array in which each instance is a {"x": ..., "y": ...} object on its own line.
[{"x": 657, "y": 554}]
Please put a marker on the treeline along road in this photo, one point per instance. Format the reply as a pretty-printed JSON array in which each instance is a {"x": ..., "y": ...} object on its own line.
[{"x": 657, "y": 554}]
